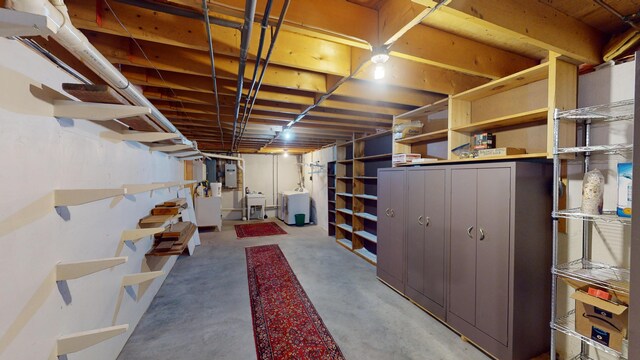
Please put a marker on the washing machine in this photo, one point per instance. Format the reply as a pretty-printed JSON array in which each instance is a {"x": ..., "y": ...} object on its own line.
[{"x": 292, "y": 203}]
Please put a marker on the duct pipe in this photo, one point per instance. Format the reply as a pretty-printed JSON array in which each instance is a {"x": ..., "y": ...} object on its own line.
[
  {"x": 78, "y": 45},
  {"x": 240, "y": 165},
  {"x": 177, "y": 11},
  {"x": 283, "y": 12},
  {"x": 263, "y": 30},
  {"x": 249, "y": 14}
]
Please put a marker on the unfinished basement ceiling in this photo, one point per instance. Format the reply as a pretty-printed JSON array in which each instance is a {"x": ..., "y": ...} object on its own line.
[{"x": 322, "y": 43}]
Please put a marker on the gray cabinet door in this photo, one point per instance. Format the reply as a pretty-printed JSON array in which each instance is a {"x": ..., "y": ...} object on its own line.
[
  {"x": 416, "y": 249},
  {"x": 390, "y": 254},
  {"x": 462, "y": 267},
  {"x": 492, "y": 269},
  {"x": 435, "y": 235}
]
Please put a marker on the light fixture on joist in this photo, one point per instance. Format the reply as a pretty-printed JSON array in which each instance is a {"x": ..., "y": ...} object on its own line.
[{"x": 379, "y": 56}]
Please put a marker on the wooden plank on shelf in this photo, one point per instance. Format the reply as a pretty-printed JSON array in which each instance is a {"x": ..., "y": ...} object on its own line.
[
  {"x": 367, "y": 235},
  {"x": 79, "y": 341},
  {"x": 135, "y": 279},
  {"x": 74, "y": 270},
  {"x": 105, "y": 94},
  {"x": 170, "y": 148},
  {"x": 518, "y": 79},
  {"x": 137, "y": 234},
  {"x": 374, "y": 157},
  {"x": 172, "y": 210},
  {"x": 141, "y": 188},
  {"x": 522, "y": 118},
  {"x": 427, "y": 137},
  {"x": 155, "y": 219},
  {"x": 508, "y": 157},
  {"x": 74, "y": 197},
  {"x": 139, "y": 136},
  {"x": 367, "y": 216},
  {"x": 367, "y": 255},
  {"x": 178, "y": 243},
  {"x": 96, "y": 111},
  {"x": 424, "y": 111},
  {"x": 181, "y": 202}
]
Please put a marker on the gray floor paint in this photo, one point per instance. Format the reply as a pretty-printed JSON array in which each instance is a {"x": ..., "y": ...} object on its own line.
[{"x": 202, "y": 310}]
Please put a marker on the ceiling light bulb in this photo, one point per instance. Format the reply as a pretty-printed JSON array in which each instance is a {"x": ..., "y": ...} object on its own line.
[
  {"x": 379, "y": 72},
  {"x": 286, "y": 153},
  {"x": 287, "y": 134}
]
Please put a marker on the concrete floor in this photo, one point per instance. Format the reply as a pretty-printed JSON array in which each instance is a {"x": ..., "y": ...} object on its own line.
[{"x": 202, "y": 310}]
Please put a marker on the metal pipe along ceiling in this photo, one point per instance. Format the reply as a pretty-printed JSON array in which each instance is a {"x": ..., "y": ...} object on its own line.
[
  {"x": 177, "y": 11},
  {"x": 283, "y": 12},
  {"x": 205, "y": 8},
  {"x": 78, "y": 45},
  {"x": 249, "y": 13},
  {"x": 263, "y": 30}
]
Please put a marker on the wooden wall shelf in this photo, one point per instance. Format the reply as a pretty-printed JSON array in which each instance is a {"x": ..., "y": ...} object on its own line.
[
  {"x": 135, "y": 279},
  {"x": 169, "y": 148},
  {"x": 74, "y": 270},
  {"x": 139, "y": 136},
  {"x": 79, "y": 341},
  {"x": 96, "y": 111},
  {"x": 517, "y": 109},
  {"x": 137, "y": 234},
  {"x": 84, "y": 196}
]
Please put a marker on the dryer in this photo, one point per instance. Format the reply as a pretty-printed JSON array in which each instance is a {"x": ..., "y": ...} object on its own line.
[{"x": 292, "y": 203}]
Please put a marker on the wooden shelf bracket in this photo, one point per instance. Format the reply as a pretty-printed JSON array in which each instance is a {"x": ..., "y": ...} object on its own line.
[
  {"x": 18, "y": 23},
  {"x": 83, "y": 196},
  {"x": 96, "y": 111},
  {"x": 137, "y": 234},
  {"x": 78, "y": 269},
  {"x": 79, "y": 341},
  {"x": 135, "y": 279}
]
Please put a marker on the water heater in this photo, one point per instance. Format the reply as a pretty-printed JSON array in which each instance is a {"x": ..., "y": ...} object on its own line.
[{"x": 230, "y": 176}]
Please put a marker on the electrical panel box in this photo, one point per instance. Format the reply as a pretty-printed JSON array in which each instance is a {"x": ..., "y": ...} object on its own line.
[{"x": 230, "y": 176}]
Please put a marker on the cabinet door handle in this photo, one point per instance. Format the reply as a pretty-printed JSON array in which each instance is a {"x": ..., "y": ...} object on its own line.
[
  {"x": 469, "y": 231},
  {"x": 481, "y": 234},
  {"x": 387, "y": 212},
  {"x": 420, "y": 220},
  {"x": 393, "y": 214},
  {"x": 428, "y": 221}
]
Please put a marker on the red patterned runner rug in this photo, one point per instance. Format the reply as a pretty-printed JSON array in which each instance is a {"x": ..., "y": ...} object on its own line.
[
  {"x": 258, "y": 229},
  {"x": 285, "y": 323}
]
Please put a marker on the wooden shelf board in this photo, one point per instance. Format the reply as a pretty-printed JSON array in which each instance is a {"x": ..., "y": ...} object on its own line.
[
  {"x": 170, "y": 148},
  {"x": 79, "y": 341},
  {"x": 331, "y": 188},
  {"x": 345, "y": 194},
  {"x": 139, "y": 136},
  {"x": 134, "y": 279},
  {"x": 436, "y": 107},
  {"x": 332, "y": 201},
  {"x": 346, "y": 243},
  {"x": 137, "y": 234},
  {"x": 78, "y": 269},
  {"x": 373, "y": 136},
  {"x": 332, "y": 211},
  {"x": 374, "y": 157},
  {"x": 504, "y": 121},
  {"x": 512, "y": 81},
  {"x": 367, "y": 236},
  {"x": 367, "y": 255},
  {"x": 367, "y": 216},
  {"x": 345, "y": 143},
  {"x": 73, "y": 197},
  {"x": 346, "y": 161},
  {"x": 509, "y": 157},
  {"x": 365, "y": 196},
  {"x": 366, "y": 177},
  {"x": 346, "y": 211},
  {"x": 96, "y": 111},
  {"x": 430, "y": 136},
  {"x": 344, "y": 178},
  {"x": 345, "y": 227}
]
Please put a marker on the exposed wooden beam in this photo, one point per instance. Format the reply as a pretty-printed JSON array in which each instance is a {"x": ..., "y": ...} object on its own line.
[
  {"x": 185, "y": 61},
  {"x": 292, "y": 49},
  {"x": 384, "y": 92},
  {"x": 529, "y": 21},
  {"x": 435, "y": 47},
  {"x": 405, "y": 73},
  {"x": 396, "y": 17}
]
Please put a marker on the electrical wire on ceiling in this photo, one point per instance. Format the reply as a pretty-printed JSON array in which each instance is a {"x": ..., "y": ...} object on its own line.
[
  {"x": 274, "y": 38},
  {"x": 205, "y": 8},
  {"x": 629, "y": 20},
  {"x": 106, "y": 2}
]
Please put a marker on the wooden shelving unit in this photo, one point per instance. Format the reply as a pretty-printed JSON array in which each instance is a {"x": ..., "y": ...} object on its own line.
[
  {"x": 356, "y": 194},
  {"x": 517, "y": 109},
  {"x": 331, "y": 197}
]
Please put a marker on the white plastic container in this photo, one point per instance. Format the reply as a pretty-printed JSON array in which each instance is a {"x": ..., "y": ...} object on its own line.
[
  {"x": 216, "y": 189},
  {"x": 625, "y": 171}
]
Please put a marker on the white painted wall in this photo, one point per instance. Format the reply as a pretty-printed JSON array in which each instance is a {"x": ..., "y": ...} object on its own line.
[
  {"x": 610, "y": 242},
  {"x": 40, "y": 154},
  {"x": 265, "y": 173},
  {"x": 317, "y": 184}
]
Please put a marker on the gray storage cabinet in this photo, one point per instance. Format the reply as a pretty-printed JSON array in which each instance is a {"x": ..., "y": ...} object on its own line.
[
  {"x": 426, "y": 233},
  {"x": 477, "y": 243},
  {"x": 391, "y": 227}
]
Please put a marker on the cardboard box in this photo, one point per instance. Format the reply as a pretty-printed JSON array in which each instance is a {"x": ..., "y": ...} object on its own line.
[
  {"x": 483, "y": 141},
  {"x": 600, "y": 320},
  {"x": 625, "y": 182},
  {"x": 501, "y": 152},
  {"x": 404, "y": 158}
]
